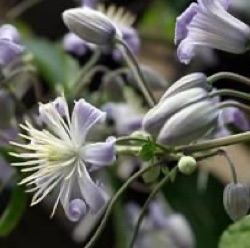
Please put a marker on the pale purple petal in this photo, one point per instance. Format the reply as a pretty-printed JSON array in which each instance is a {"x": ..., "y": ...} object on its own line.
[
  {"x": 233, "y": 115},
  {"x": 157, "y": 215},
  {"x": 183, "y": 20},
  {"x": 61, "y": 106},
  {"x": 84, "y": 117},
  {"x": 89, "y": 3},
  {"x": 100, "y": 154},
  {"x": 75, "y": 45},
  {"x": 10, "y": 33},
  {"x": 77, "y": 208},
  {"x": 94, "y": 196},
  {"x": 211, "y": 26},
  {"x": 9, "y": 51}
]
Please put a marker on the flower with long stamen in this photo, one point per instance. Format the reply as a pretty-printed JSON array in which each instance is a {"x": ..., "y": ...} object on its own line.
[
  {"x": 59, "y": 157},
  {"x": 207, "y": 23}
]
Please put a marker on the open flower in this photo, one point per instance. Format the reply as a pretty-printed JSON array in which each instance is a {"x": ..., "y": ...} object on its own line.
[
  {"x": 207, "y": 23},
  {"x": 61, "y": 157}
]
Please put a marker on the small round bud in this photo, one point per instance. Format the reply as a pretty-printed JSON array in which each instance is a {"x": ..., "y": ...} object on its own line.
[
  {"x": 236, "y": 200},
  {"x": 77, "y": 208},
  {"x": 187, "y": 165}
]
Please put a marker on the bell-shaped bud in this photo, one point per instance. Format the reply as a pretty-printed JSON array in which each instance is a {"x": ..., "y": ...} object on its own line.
[
  {"x": 236, "y": 200},
  {"x": 77, "y": 208},
  {"x": 187, "y": 165},
  {"x": 91, "y": 25},
  {"x": 187, "y": 82},
  {"x": 190, "y": 124}
]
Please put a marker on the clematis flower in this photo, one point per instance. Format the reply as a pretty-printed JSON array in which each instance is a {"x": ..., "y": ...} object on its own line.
[
  {"x": 207, "y": 23},
  {"x": 60, "y": 157},
  {"x": 10, "y": 46},
  {"x": 185, "y": 113}
]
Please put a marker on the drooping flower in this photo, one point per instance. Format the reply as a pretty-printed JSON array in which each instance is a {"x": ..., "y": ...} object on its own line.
[
  {"x": 185, "y": 112},
  {"x": 59, "y": 157},
  {"x": 10, "y": 46},
  {"x": 207, "y": 23}
]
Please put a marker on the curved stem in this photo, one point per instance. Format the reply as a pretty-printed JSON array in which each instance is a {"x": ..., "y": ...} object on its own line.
[
  {"x": 229, "y": 92},
  {"x": 215, "y": 143},
  {"x": 146, "y": 204},
  {"x": 133, "y": 64},
  {"x": 230, "y": 162},
  {"x": 77, "y": 83},
  {"x": 242, "y": 106},
  {"x": 113, "y": 201},
  {"x": 229, "y": 75}
]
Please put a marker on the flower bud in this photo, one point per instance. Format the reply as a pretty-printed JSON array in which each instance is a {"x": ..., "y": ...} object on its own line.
[
  {"x": 190, "y": 124},
  {"x": 90, "y": 25},
  {"x": 77, "y": 208},
  {"x": 236, "y": 200},
  {"x": 187, "y": 165}
]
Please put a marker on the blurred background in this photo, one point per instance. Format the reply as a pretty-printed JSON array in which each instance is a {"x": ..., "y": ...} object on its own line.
[{"x": 155, "y": 21}]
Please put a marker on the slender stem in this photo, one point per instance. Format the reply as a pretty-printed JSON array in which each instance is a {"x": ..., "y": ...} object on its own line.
[
  {"x": 128, "y": 150},
  {"x": 231, "y": 164},
  {"x": 20, "y": 8},
  {"x": 215, "y": 143},
  {"x": 115, "y": 73},
  {"x": 77, "y": 83},
  {"x": 113, "y": 201},
  {"x": 229, "y": 75},
  {"x": 229, "y": 92},
  {"x": 242, "y": 106},
  {"x": 133, "y": 64},
  {"x": 146, "y": 204}
]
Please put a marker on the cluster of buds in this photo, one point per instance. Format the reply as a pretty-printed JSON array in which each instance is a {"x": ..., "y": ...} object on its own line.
[{"x": 185, "y": 113}]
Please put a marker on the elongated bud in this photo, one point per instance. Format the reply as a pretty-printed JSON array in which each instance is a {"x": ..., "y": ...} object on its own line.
[
  {"x": 187, "y": 165},
  {"x": 90, "y": 25},
  {"x": 190, "y": 124},
  {"x": 236, "y": 200}
]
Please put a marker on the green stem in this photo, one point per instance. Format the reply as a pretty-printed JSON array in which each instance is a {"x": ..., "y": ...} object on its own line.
[
  {"x": 242, "y": 106},
  {"x": 231, "y": 164},
  {"x": 77, "y": 85},
  {"x": 112, "y": 203},
  {"x": 229, "y": 75},
  {"x": 146, "y": 204},
  {"x": 128, "y": 150},
  {"x": 133, "y": 64},
  {"x": 229, "y": 92},
  {"x": 215, "y": 143}
]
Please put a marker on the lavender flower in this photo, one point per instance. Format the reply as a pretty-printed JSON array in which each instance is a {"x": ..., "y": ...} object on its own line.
[
  {"x": 184, "y": 113},
  {"x": 126, "y": 118},
  {"x": 9, "y": 44},
  {"x": 207, "y": 23},
  {"x": 89, "y": 3},
  {"x": 61, "y": 157}
]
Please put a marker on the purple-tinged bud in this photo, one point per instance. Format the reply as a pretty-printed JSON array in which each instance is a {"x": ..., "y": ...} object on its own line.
[
  {"x": 77, "y": 208},
  {"x": 10, "y": 33},
  {"x": 91, "y": 25},
  {"x": 236, "y": 200}
]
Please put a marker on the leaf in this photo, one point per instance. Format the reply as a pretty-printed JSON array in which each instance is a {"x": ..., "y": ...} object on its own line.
[
  {"x": 57, "y": 68},
  {"x": 236, "y": 235},
  {"x": 13, "y": 212},
  {"x": 148, "y": 150}
]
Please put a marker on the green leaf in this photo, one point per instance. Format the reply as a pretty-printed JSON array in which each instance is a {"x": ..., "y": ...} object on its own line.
[
  {"x": 57, "y": 68},
  {"x": 237, "y": 235},
  {"x": 148, "y": 150},
  {"x": 13, "y": 212}
]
